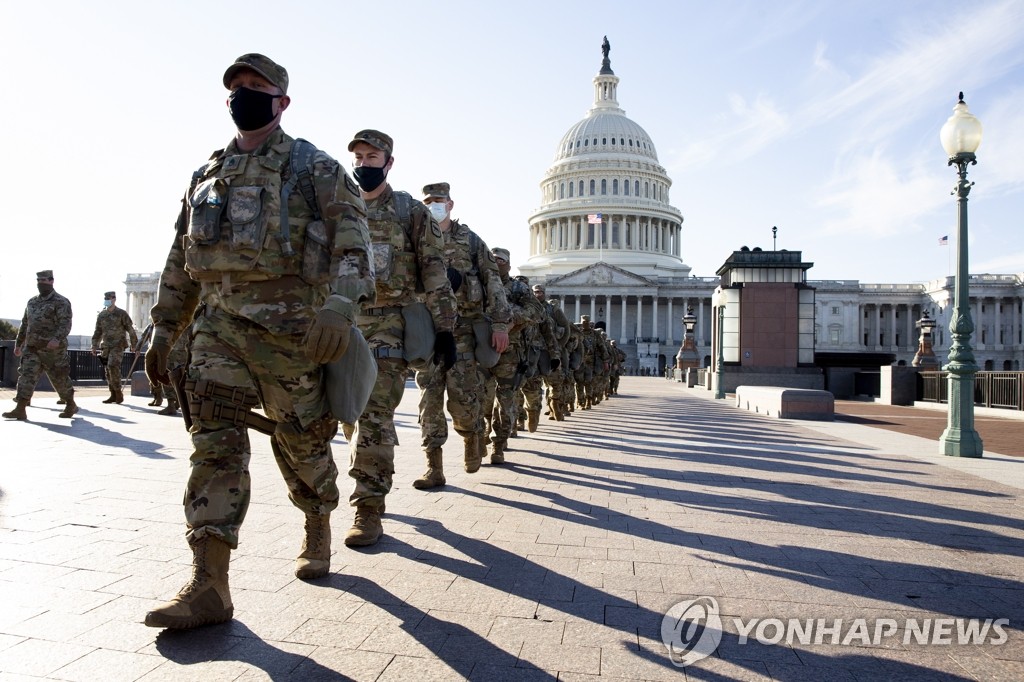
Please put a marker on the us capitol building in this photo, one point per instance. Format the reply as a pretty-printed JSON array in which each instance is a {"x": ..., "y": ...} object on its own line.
[{"x": 607, "y": 242}]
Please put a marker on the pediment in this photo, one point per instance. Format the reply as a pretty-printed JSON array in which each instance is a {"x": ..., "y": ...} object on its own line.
[{"x": 600, "y": 274}]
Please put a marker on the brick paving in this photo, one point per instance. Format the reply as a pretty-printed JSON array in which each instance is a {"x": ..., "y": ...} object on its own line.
[{"x": 559, "y": 565}]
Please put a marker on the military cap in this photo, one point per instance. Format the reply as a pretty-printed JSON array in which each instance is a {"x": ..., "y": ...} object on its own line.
[
  {"x": 523, "y": 278},
  {"x": 540, "y": 287},
  {"x": 109, "y": 294},
  {"x": 584, "y": 318},
  {"x": 44, "y": 274},
  {"x": 264, "y": 66},
  {"x": 437, "y": 190},
  {"x": 374, "y": 138},
  {"x": 501, "y": 253}
]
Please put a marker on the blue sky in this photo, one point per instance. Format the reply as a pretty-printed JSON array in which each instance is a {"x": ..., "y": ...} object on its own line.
[{"x": 821, "y": 118}]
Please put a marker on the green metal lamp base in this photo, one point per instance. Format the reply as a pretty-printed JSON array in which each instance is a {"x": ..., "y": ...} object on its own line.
[{"x": 956, "y": 442}]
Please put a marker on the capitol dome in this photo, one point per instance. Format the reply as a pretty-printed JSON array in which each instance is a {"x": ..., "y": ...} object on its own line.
[{"x": 605, "y": 198}]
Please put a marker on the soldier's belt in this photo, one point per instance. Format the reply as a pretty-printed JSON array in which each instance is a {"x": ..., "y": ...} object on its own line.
[{"x": 382, "y": 310}]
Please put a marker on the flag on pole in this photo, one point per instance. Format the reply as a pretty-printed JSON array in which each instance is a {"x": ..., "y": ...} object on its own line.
[
  {"x": 944, "y": 240},
  {"x": 594, "y": 219}
]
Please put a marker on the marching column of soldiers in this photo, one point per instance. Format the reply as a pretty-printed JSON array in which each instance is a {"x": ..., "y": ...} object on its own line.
[{"x": 291, "y": 287}]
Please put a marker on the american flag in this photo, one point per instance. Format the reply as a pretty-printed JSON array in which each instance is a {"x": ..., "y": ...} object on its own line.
[
  {"x": 594, "y": 219},
  {"x": 944, "y": 240}
]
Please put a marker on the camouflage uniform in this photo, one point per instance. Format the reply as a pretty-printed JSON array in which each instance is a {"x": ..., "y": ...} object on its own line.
[
  {"x": 544, "y": 340},
  {"x": 47, "y": 318},
  {"x": 480, "y": 296},
  {"x": 618, "y": 364},
  {"x": 505, "y": 378},
  {"x": 558, "y": 324},
  {"x": 585, "y": 374},
  {"x": 112, "y": 324},
  {"x": 256, "y": 303},
  {"x": 409, "y": 257}
]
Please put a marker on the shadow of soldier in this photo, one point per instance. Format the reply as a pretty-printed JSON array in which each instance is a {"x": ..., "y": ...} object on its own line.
[{"x": 219, "y": 648}]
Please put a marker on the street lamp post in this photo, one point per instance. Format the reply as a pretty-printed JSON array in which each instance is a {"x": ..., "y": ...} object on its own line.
[
  {"x": 961, "y": 136},
  {"x": 720, "y": 359}
]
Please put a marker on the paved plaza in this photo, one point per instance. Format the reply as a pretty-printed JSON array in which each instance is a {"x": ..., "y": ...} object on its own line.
[{"x": 559, "y": 565}]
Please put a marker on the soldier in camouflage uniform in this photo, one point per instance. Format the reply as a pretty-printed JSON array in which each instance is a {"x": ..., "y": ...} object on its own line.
[
  {"x": 481, "y": 297},
  {"x": 618, "y": 366},
  {"x": 113, "y": 325},
  {"x": 558, "y": 324},
  {"x": 599, "y": 387},
  {"x": 42, "y": 345},
  {"x": 408, "y": 251},
  {"x": 584, "y": 375},
  {"x": 274, "y": 291},
  {"x": 506, "y": 377},
  {"x": 547, "y": 351}
]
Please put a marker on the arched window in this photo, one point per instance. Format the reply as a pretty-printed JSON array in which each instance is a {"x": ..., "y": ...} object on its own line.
[
  {"x": 581, "y": 188},
  {"x": 592, "y": 186},
  {"x": 615, "y": 186},
  {"x": 630, "y": 142},
  {"x": 625, "y": 187},
  {"x": 604, "y": 140},
  {"x": 561, "y": 191},
  {"x": 636, "y": 188},
  {"x": 604, "y": 186},
  {"x": 647, "y": 190},
  {"x": 571, "y": 186},
  {"x": 586, "y": 142}
]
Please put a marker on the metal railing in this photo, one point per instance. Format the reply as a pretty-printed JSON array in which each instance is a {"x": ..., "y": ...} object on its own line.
[{"x": 991, "y": 389}]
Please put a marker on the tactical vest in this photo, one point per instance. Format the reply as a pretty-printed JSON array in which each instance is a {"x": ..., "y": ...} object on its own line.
[
  {"x": 461, "y": 247},
  {"x": 394, "y": 257},
  {"x": 234, "y": 226}
]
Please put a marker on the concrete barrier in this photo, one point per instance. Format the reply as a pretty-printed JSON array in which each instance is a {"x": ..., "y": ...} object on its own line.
[{"x": 787, "y": 403}]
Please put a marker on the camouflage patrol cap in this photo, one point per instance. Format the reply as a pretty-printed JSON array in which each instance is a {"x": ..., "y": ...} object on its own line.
[
  {"x": 501, "y": 253},
  {"x": 584, "y": 318},
  {"x": 109, "y": 294},
  {"x": 522, "y": 278},
  {"x": 437, "y": 190},
  {"x": 540, "y": 287},
  {"x": 264, "y": 66},
  {"x": 44, "y": 274},
  {"x": 374, "y": 138}
]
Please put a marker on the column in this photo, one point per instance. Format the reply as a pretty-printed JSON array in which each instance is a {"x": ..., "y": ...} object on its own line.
[
  {"x": 877, "y": 341},
  {"x": 654, "y": 318},
  {"x": 577, "y": 317},
  {"x": 997, "y": 313},
  {"x": 640, "y": 316},
  {"x": 622, "y": 332},
  {"x": 672, "y": 323},
  {"x": 892, "y": 326},
  {"x": 977, "y": 324},
  {"x": 699, "y": 329},
  {"x": 593, "y": 308}
]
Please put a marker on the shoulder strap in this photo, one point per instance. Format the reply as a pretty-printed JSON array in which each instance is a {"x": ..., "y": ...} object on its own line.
[
  {"x": 474, "y": 248},
  {"x": 300, "y": 173},
  {"x": 403, "y": 207}
]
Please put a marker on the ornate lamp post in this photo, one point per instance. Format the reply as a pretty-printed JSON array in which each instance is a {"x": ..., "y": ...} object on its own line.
[
  {"x": 720, "y": 359},
  {"x": 961, "y": 136},
  {"x": 688, "y": 356},
  {"x": 925, "y": 356}
]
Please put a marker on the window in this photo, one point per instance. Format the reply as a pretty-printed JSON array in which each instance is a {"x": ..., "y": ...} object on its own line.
[
  {"x": 604, "y": 187},
  {"x": 625, "y": 187},
  {"x": 561, "y": 191},
  {"x": 833, "y": 336},
  {"x": 592, "y": 185},
  {"x": 571, "y": 185},
  {"x": 647, "y": 190},
  {"x": 615, "y": 186},
  {"x": 604, "y": 141},
  {"x": 636, "y": 188},
  {"x": 581, "y": 188},
  {"x": 835, "y": 310},
  {"x": 586, "y": 142}
]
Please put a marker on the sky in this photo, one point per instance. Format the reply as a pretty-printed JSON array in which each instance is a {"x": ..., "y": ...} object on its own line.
[{"x": 821, "y": 118}]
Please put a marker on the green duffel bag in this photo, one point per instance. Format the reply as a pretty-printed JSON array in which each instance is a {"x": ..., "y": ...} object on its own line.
[
  {"x": 486, "y": 356},
  {"x": 418, "y": 341},
  {"x": 350, "y": 379}
]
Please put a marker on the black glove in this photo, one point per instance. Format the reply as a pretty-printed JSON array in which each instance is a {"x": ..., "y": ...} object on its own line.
[
  {"x": 455, "y": 277},
  {"x": 555, "y": 364},
  {"x": 444, "y": 350},
  {"x": 156, "y": 362}
]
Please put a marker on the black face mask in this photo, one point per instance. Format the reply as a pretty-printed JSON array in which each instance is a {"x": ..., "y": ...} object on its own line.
[
  {"x": 44, "y": 289},
  {"x": 369, "y": 178},
  {"x": 251, "y": 109}
]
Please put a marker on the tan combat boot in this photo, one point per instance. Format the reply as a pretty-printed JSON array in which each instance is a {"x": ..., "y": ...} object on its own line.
[
  {"x": 70, "y": 408},
  {"x": 112, "y": 398},
  {"x": 532, "y": 417},
  {"x": 366, "y": 529},
  {"x": 315, "y": 559},
  {"x": 18, "y": 412},
  {"x": 205, "y": 599},
  {"x": 349, "y": 430},
  {"x": 118, "y": 395},
  {"x": 156, "y": 402},
  {"x": 498, "y": 451},
  {"x": 473, "y": 455},
  {"x": 434, "y": 476}
]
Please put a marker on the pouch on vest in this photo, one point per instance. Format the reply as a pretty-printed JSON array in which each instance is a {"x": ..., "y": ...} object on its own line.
[
  {"x": 383, "y": 259},
  {"x": 207, "y": 204},
  {"x": 350, "y": 380},
  {"x": 486, "y": 356},
  {"x": 247, "y": 217},
  {"x": 544, "y": 363},
  {"x": 474, "y": 288},
  {"x": 316, "y": 254},
  {"x": 418, "y": 340},
  {"x": 575, "y": 359}
]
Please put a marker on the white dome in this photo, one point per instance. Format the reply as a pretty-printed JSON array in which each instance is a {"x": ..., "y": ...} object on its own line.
[{"x": 606, "y": 131}]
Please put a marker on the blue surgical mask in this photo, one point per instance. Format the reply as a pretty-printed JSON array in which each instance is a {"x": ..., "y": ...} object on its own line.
[
  {"x": 107, "y": 303},
  {"x": 439, "y": 210}
]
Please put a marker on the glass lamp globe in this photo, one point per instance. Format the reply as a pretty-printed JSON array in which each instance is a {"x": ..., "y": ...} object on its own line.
[{"x": 961, "y": 134}]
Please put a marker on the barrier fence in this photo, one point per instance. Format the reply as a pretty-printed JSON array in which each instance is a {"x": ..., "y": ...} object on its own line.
[{"x": 991, "y": 389}]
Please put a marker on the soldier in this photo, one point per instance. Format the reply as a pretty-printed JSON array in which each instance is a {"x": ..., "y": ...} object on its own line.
[
  {"x": 558, "y": 324},
  {"x": 42, "y": 345},
  {"x": 481, "y": 299},
  {"x": 278, "y": 277},
  {"x": 601, "y": 365},
  {"x": 408, "y": 251},
  {"x": 618, "y": 367},
  {"x": 506, "y": 377},
  {"x": 108, "y": 342},
  {"x": 584, "y": 375}
]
